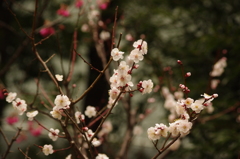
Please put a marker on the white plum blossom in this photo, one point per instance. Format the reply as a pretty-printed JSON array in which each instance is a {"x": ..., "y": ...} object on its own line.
[
  {"x": 89, "y": 134},
  {"x": 79, "y": 116},
  {"x": 62, "y": 102},
  {"x": 47, "y": 149},
  {"x": 161, "y": 129},
  {"x": 123, "y": 67},
  {"x": 116, "y": 54},
  {"x": 31, "y": 115},
  {"x": 141, "y": 46},
  {"x": 90, "y": 111},
  {"x": 96, "y": 142},
  {"x": 11, "y": 96},
  {"x": 173, "y": 129},
  {"x": 59, "y": 77},
  {"x": 180, "y": 108},
  {"x": 218, "y": 67},
  {"x": 20, "y": 105},
  {"x": 184, "y": 126},
  {"x": 114, "y": 92},
  {"x": 101, "y": 156},
  {"x": 197, "y": 106},
  {"x": 53, "y": 134},
  {"x": 56, "y": 113},
  {"x": 188, "y": 102},
  {"x": 123, "y": 79},
  {"x": 147, "y": 86},
  {"x": 136, "y": 55},
  {"x": 152, "y": 135}
]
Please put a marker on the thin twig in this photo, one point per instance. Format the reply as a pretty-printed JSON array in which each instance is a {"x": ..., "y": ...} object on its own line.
[
  {"x": 24, "y": 154},
  {"x": 11, "y": 143},
  {"x": 4, "y": 137},
  {"x": 92, "y": 67}
]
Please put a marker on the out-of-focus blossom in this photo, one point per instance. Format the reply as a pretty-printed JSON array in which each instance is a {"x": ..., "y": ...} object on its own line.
[
  {"x": 46, "y": 31},
  {"x": 104, "y": 35},
  {"x": 79, "y": 3},
  {"x": 63, "y": 10},
  {"x": 11, "y": 96},
  {"x": 12, "y": 119},
  {"x": 103, "y": 4}
]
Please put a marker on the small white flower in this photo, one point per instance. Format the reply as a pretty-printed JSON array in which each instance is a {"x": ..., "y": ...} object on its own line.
[
  {"x": 116, "y": 54},
  {"x": 56, "y": 113},
  {"x": 114, "y": 92},
  {"x": 96, "y": 142},
  {"x": 90, "y": 111},
  {"x": 188, "y": 102},
  {"x": 152, "y": 134},
  {"x": 141, "y": 46},
  {"x": 62, "y": 102},
  {"x": 20, "y": 105},
  {"x": 136, "y": 55},
  {"x": 11, "y": 96},
  {"x": 31, "y": 115},
  {"x": 147, "y": 85},
  {"x": 47, "y": 149},
  {"x": 101, "y": 156},
  {"x": 197, "y": 106},
  {"x": 184, "y": 126},
  {"x": 59, "y": 77},
  {"x": 89, "y": 134},
  {"x": 53, "y": 134},
  {"x": 161, "y": 129},
  {"x": 79, "y": 116}
]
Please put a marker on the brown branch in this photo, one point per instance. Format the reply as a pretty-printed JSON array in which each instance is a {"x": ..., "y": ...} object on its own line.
[
  {"x": 232, "y": 108},
  {"x": 165, "y": 148},
  {"x": 4, "y": 137},
  {"x": 14, "y": 57},
  {"x": 11, "y": 143},
  {"x": 25, "y": 154},
  {"x": 71, "y": 68},
  {"x": 15, "y": 17},
  {"x": 92, "y": 67}
]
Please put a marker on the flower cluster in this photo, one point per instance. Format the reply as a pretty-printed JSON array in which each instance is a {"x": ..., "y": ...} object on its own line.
[
  {"x": 121, "y": 80},
  {"x": 185, "y": 110},
  {"x": 17, "y": 103},
  {"x": 61, "y": 102}
]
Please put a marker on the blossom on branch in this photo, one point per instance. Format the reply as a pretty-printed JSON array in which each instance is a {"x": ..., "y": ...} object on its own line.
[
  {"x": 47, "y": 149},
  {"x": 62, "y": 102},
  {"x": 11, "y": 96},
  {"x": 20, "y": 105},
  {"x": 31, "y": 115},
  {"x": 116, "y": 54},
  {"x": 53, "y": 134},
  {"x": 90, "y": 111}
]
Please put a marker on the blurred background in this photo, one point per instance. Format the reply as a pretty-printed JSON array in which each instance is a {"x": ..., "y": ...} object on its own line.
[{"x": 199, "y": 33}]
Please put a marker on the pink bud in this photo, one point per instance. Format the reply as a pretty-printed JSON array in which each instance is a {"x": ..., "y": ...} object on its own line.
[
  {"x": 179, "y": 62},
  {"x": 188, "y": 74},
  {"x": 85, "y": 128}
]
